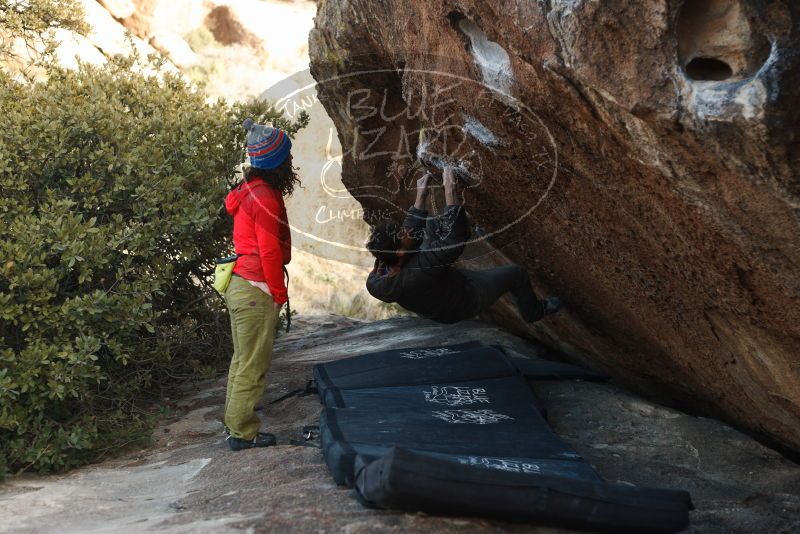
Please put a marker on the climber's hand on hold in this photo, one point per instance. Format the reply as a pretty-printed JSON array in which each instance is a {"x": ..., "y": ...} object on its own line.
[
  {"x": 423, "y": 183},
  {"x": 453, "y": 192},
  {"x": 422, "y": 191}
]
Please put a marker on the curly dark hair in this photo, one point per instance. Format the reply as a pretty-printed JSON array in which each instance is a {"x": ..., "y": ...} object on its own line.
[
  {"x": 283, "y": 177},
  {"x": 384, "y": 241}
]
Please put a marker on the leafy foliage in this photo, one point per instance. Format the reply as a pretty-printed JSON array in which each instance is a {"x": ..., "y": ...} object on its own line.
[
  {"x": 111, "y": 192},
  {"x": 34, "y": 21}
]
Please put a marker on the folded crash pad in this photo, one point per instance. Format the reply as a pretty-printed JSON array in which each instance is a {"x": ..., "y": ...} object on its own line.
[
  {"x": 361, "y": 455},
  {"x": 457, "y": 430},
  {"x": 425, "y": 365},
  {"x": 509, "y": 391},
  {"x": 490, "y": 417},
  {"x": 407, "y": 480},
  {"x": 421, "y": 365},
  {"x": 341, "y": 444}
]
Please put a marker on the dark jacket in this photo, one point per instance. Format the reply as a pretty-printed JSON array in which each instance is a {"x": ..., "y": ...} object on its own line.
[{"x": 427, "y": 284}]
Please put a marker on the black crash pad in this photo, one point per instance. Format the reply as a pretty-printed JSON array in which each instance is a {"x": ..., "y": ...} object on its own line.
[
  {"x": 492, "y": 418},
  {"x": 347, "y": 459},
  {"x": 416, "y": 365},
  {"x": 407, "y": 480},
  {"x": 509, "y": 391},
  {"x": 457, "y": 430}
]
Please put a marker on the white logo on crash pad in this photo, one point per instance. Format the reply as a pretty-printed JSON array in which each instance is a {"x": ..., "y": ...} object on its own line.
[
  {"x": 421, "y": 354},
  {"x": 456, "y": 395},
  {"x": 474, "y": 417},
  {"x": 502, "y": 464}
]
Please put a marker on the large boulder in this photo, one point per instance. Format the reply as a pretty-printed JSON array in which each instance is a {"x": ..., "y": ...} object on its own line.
[
  {"x": 228, "y": 29},
  {"x": 639, "y": 157}
]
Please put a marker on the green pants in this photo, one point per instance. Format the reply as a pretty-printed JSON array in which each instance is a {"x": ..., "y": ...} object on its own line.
[{"x": 253, "y": 318}]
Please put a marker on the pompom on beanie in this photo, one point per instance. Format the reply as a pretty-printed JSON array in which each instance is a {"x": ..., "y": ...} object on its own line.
[{"x": 267, "y": 147}]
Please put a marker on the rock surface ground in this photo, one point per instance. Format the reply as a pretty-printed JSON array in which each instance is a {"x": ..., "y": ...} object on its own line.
[{"x": 189, "y": 482}]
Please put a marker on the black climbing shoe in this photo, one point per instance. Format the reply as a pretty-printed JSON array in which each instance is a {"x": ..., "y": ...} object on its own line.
[
  {"x": 538, "y": 309},
  {"x": 262, "y": 439},
  {"x": 552, "y": 305}
]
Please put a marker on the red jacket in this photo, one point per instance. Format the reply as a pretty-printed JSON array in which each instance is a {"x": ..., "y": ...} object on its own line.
[{"x": 261, "y": 234}]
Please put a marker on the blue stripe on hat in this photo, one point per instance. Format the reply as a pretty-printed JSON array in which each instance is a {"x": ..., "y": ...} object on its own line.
[{"x": 267, "y": 147}]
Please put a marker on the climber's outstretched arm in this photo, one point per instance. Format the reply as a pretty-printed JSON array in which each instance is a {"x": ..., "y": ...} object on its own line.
[
  {"x": 452, "y": 227},
  {"x": 417, "y": 216}
]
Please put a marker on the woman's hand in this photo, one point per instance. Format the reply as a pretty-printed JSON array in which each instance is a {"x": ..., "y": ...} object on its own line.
[
  {"x": 277, "y": 306},
  {"x": 422, "y": 191},
  {"x": 453, "y": 193}
]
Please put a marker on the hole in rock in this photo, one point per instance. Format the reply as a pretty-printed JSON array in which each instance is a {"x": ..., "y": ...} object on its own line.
[
  {"x": 717, "y": 40},
  {"x": 708, "y": 68}
]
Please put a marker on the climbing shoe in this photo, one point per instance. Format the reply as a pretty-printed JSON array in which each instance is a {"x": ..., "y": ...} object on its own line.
[
  {"x": 262, "y": 439},
  {"x": 533, "y": 310},
  {"x": 551, "y": 305}
]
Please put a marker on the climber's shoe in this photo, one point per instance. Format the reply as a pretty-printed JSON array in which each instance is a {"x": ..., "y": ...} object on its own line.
[
  {"x": 551, "y": 305},
  {"x": 262, "y": 439}
]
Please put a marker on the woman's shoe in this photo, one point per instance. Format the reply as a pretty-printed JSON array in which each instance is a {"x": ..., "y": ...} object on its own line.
[{"x": 262, "y": 439}]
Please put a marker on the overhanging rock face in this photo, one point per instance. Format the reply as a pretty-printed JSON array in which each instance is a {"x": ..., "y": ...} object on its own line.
[{"x": 639, "y": 157}]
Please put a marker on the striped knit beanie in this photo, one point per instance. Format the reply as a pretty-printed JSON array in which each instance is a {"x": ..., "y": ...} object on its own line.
[{"x": 266, "y": 146}]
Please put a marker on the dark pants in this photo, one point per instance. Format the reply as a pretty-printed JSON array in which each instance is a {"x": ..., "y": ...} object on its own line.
[{"x": 487, "y": 286}]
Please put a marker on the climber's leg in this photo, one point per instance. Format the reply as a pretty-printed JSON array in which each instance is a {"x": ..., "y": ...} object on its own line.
[{"x": 489, "y": 285}]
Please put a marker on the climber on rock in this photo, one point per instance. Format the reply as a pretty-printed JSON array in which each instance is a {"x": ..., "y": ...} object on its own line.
[{"x": 418, "y": 273}]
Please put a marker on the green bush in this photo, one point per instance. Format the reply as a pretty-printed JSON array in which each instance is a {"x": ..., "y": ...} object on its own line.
[
  {"x": 31, "y": 20},
  {"x": 111, "y": 191}
]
